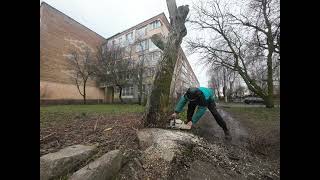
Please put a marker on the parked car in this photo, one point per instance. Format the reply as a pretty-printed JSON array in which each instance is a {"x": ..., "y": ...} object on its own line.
[{"x": 253, "y": 100}]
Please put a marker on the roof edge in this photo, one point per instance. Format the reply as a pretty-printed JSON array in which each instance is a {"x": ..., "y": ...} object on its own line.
[
  {"x": 133, "y": 27},
  {"x": 44, "y": 3}
]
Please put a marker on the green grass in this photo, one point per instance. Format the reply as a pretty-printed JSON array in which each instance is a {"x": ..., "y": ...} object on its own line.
[
  {"x": 258, "y": 119},
  {"x": 257, "y": 113},
  {"x": 103, "y": 108},
  {"x": 252, "y": 114},
  {"x": 67, "y": 112}
]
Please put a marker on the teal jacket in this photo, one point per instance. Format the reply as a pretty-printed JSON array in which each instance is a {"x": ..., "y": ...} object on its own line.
[{"x": 209, "y": 97}]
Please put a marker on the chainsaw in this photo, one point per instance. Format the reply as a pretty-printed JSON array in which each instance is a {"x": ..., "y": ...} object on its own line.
[{"x": 178, "y": 124}]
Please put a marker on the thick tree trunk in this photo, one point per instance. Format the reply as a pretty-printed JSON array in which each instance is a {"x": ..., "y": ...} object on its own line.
[
  {"x": 225, "y": 95},
  {"x": 269, "y": 102},
  {"x": 271, "y": 48},
  {"x": 139, "y": 99},
  {"x": 219, "y": 95},
  {"x": 159, "y": 100},
  {"x": 120, "y": 94},
  {"x": 84, "y": 93},
  {"x": 160, "y": 94},
  {"x": 140, "y": 93},
  {"x": 140, "y": 82}
]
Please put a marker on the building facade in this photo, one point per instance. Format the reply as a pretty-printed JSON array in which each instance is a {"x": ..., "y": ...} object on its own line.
[
  {"x": 138, "y": 38},
  {"x": 59, "y": 34}
]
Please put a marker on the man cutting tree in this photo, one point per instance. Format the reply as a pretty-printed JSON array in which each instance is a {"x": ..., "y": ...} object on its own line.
[{"x": 203, "y": 98}]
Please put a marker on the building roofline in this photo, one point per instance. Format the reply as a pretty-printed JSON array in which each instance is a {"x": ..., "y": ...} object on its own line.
[
  {"x": 44, "y": 3},
  {"x": 166, "y": 22}
]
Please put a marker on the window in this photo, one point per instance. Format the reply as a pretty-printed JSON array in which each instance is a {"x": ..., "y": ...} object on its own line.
[
  {"x": 127, "y": 91},
  {"x": 117, "y": 55},
  {"x": 124, "y": 91},
  {"x": 155, "y": 24},
  {"x": 183, "y": 76},
  {"x": 131, "y": 90},
  {"x": 143, "y": 87},
  {"x": 141, "y": 32},
  {"x": 184, "y": 69},
  {"x": 142, "y": 46},
  {"x": 154, "y": 57},
  {"x": 122, "y": 41},
  {"x": 117, "y": 89},
  {"x": 129, "y": 37},
  {"x": 152, "y": 46},
  {"x": 148, "y": 88},
  {"x": 109, "y": 44}
]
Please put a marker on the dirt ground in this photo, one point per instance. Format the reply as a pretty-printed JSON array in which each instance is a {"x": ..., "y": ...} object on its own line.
[
  {"x": 251, "y": 145},
  {"x": 90, "y": 130},
  {"x": 217, "y": 159},
  {"x": 262, "y": 131}
]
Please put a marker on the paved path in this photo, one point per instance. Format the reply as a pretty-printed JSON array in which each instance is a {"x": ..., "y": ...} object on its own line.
[{"x": 241, "y": 105}]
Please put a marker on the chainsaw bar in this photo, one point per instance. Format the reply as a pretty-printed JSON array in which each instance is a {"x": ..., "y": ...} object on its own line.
[{"x": 178, "y": 124}]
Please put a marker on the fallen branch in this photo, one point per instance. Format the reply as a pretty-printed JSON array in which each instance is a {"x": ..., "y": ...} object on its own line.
[
  {"x": 47, "y": 136},
  {"x": 134, "y": 129},
  {"x": 95, "y": 126}
]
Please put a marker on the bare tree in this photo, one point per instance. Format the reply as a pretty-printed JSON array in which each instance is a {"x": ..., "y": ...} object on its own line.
[
  {"x": 159, "y": 100},
  {"x": 239, "y": 91},
  {"x": 241, "y": 41},
  {"x": 223, "y": 78},
  {"x": 140, "y": 76},
  {"x": 216, "y": 81},
  {"x": 140, "y": 68},
  {"x": 115, "y": 67},
  {"x": 82, "y": 69}
]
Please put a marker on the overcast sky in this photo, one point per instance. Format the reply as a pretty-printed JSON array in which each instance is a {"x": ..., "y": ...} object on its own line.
[{"x": 108, "y": 17}]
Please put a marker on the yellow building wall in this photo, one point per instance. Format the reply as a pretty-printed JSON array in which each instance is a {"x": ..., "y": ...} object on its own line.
[{"x": 54, "y": 90}]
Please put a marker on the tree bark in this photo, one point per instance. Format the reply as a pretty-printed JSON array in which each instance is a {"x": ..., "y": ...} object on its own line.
[
  {"x": 219, "y": 96},
  {"x": 140, "y": 81},
  {"x": 159, "y": 100},
  {"x": 271, "y": 49},
  {"x": 84, "y": 94},
  {"x": 225, "y": 95},
  {"x": 269, "y": 102},
  {"x": 120, "y": 94}
]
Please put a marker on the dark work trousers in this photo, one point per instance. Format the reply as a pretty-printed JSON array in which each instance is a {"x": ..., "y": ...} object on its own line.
[{"x": 212, "y": 108}]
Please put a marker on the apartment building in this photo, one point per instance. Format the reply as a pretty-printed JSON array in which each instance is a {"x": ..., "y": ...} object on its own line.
[
  {"x": 138, "y": 39},
  {"x": 60, "y": 33}
]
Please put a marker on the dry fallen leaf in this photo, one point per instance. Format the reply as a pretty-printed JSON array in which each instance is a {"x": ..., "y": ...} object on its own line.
[{"x": 108, "y": 129}]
